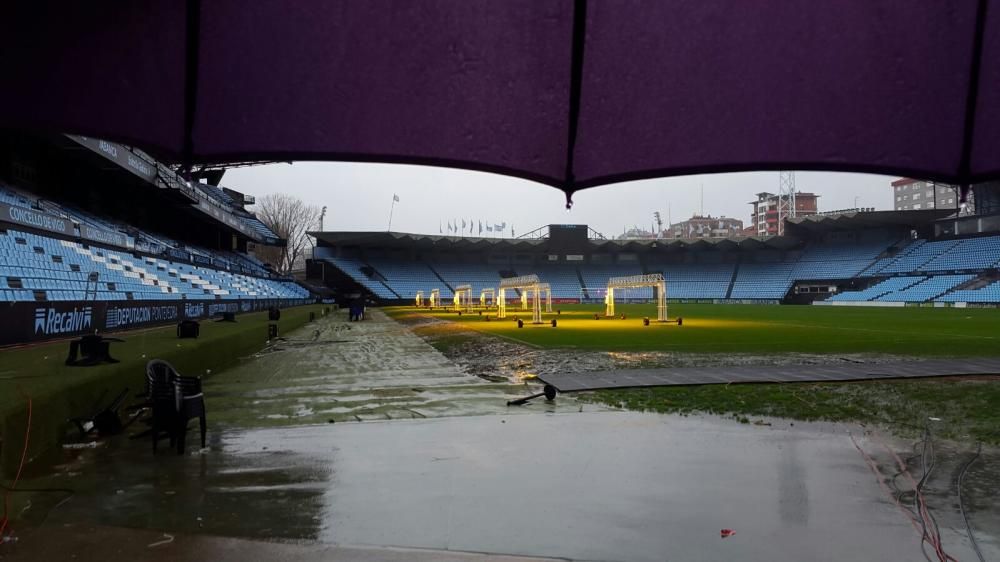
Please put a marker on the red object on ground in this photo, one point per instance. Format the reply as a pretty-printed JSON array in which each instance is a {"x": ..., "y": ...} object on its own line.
[{"x": 728, "y": 533}]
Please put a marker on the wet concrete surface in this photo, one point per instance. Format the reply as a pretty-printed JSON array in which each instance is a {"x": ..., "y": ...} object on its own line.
[
  {"x": 470, "y": 475},
  {"x": 88, "y": 542},
  {"x": 591, "y": 486},
  {"x": 339, "y": 371}
]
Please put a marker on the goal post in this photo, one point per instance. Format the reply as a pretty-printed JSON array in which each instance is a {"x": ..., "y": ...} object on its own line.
[
  {"x": 435, "y": 298},
  {"x": 419, "y": 299},
  {"x": 654, "y": 280}
]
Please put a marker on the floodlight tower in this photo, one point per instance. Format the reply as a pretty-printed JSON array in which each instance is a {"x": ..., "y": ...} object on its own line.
[{"x": 786, "y": 199}]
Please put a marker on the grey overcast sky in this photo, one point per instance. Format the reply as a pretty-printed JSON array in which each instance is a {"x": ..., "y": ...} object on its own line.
[{"x": 358, "y": 196}]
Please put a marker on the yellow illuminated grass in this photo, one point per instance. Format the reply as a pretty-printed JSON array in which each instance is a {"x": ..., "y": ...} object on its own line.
[{"x": 750, "y": 329}]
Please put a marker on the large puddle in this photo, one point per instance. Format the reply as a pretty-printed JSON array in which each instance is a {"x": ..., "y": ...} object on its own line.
[{"x": 594, "y": 486}]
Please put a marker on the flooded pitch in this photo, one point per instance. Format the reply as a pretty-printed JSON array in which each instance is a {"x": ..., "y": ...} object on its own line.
[
  {"x": 424, "y": 454},
  {"x": 336, "y": 371}
]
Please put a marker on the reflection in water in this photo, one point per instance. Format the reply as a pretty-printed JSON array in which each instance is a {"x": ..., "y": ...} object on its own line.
[
  {"x": 235, "y": 487},
  {"x": 793, "y": 494}
]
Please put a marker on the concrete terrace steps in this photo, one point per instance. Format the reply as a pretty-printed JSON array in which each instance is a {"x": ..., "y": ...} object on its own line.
[
  {"x": 971, "y": 285},
  {"x": 914, "y": 245},
  {"x": 880, "y": 295},
  {"x": 732, "y": 281},
  {"x": 583, "y": 285},
  {"x": 390, "y": 289},
  {"x": 935, "y": 256},
  {"x": 438, "y": 275}
]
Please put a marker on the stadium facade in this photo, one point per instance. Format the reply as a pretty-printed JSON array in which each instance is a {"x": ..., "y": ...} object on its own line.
[
  {"x": 884, "y": 258},
  {"x": 98, "y": 236}
]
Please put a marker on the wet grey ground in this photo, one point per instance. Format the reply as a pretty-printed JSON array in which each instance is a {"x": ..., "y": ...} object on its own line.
[
  {"x": 470, "y": 475},
  {"x": 593, "y": 486}
]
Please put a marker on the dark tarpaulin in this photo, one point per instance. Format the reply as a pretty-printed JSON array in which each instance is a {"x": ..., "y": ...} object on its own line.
[{"x": 567, "y": 93}]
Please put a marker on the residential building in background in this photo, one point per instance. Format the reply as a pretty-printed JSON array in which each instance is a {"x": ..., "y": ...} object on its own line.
[
  {"x": 909, "y": 194},
  {"x": 764, "y": 218},
  {"x": 636, "y": 233},
  {"x": 705, "y": 227}
]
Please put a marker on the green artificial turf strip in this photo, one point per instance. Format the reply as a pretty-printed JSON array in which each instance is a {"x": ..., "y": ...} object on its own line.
[
  {"x": 962, "y": 409},
  {"x": 757, "y": 329},
  {"x": 59, "y": 392}
]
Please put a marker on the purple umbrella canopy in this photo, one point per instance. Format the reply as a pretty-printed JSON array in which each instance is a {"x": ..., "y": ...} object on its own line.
[{"x": 568, "y": 93}]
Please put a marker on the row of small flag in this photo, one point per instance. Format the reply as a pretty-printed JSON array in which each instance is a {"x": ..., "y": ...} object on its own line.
[{"x": 456, "y": 226}]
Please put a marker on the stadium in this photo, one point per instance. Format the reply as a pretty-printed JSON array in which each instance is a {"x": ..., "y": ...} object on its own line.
[
  {"x": 203, "y": 355},
  {"x": 862, "y": 258}
]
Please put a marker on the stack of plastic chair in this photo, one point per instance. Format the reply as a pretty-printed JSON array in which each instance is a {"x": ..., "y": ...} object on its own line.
[
  {"x": 174, "y": 400},
  {"x": 190, "y": 403}
]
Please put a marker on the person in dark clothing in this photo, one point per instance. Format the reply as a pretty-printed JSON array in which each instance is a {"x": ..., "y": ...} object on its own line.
[{"x": 357, "y": 309}]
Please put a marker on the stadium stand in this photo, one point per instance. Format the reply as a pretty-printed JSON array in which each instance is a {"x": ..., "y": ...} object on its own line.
[
  {"x": 762, "y": 280},
  {"x": 563, "y": 279},
  {"x": 836, "y": 261},
  {"x": 701, "y": 281},
  {"x": 35, "y": 267},
  {"x": 927, "y": 289},
  {"x": 406, "y": 278},
  {"x": 890, "y": 285},
  {"x": 898, "y": 266},
  {"x": 354, "y": 269},
  {"x": 41, "y": 268},
  {"x": 479, "y": 276},
  {"x": 595, "y": 279},
  {"x": 972, "y": 253},
  {"x": 987, "y": 294},
  {"x": 218, "y": 195}
]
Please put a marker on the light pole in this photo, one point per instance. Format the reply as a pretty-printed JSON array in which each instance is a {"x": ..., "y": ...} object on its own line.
[{"x": 322, "y": 215}]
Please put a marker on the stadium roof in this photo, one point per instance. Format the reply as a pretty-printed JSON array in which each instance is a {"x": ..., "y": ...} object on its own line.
[
  {"x": 469, "y": 243},
  {"x": 569, "y": 93},
  {"x": 871, "y": 219}
]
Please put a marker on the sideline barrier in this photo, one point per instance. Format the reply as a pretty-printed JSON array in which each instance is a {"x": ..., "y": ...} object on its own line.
[{"x": 35, "y": 321}]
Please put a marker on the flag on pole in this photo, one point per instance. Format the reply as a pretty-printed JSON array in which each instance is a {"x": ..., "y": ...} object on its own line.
[
  {"x": 489, "y": 228},
  {"x": 503, "y": 225},
  {"x": 439, "y": 227},
  {"x": 463, "y": 224},
  {"x": 480, "y": 227},
  {"x": 395, "y": 198}
]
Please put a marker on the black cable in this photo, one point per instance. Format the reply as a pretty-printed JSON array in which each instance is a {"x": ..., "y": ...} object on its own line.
[{"x": 961, "y": 504}]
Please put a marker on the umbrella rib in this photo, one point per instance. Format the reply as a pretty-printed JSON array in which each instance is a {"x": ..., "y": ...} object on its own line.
[
  {"x": 575, "y": 84},
  {"x": 192, "y": 46},
  {"x": 972, "y": 95}
]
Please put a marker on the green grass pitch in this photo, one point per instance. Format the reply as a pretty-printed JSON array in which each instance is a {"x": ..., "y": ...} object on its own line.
[{"x": 757, "y": 329}]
